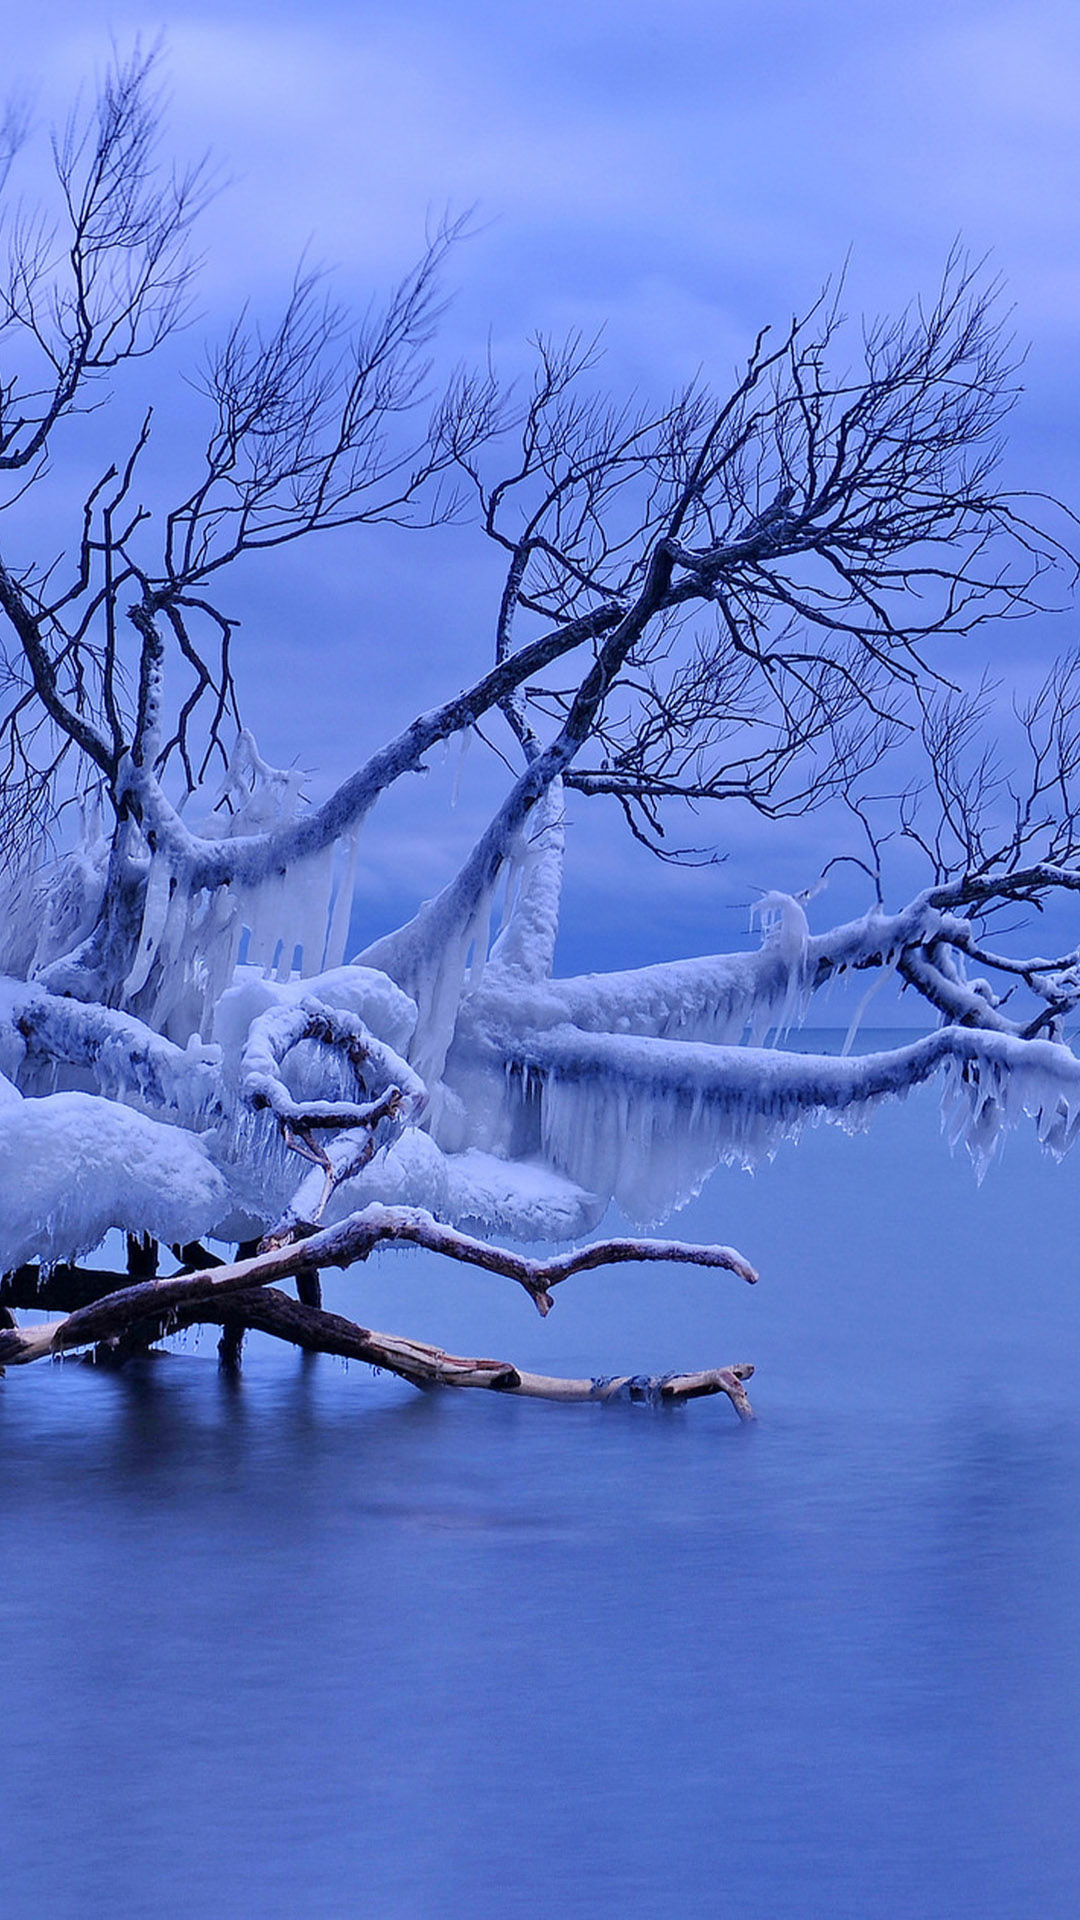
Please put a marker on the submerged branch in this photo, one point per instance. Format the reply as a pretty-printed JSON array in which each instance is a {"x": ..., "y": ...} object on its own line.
[
  {"x": 265, "y": 1309},
  {"x": 317, "y": 1331},
  {"x": 350, "y": 1241}
]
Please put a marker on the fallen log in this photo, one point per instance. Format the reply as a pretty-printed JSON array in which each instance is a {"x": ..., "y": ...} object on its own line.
[{"x": 120, "y": 1321}]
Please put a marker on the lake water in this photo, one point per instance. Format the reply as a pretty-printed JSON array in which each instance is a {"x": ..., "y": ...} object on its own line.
[{"x": 313, "y": 1644}]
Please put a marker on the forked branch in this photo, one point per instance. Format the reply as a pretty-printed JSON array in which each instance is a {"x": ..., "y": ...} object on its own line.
[
  {"x": 240, "y": 1294},
  {"x": 343, "y": 1245}
]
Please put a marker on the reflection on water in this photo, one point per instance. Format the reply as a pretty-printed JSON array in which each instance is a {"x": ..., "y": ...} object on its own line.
[{"x": 315, "y": 1644}]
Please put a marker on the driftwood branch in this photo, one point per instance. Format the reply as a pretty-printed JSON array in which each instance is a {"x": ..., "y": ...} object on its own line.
[
  {"x": 343, "y": 1245},
  {"x": 317, "y": 1331},
  {"x": 241, "y": 1294}
]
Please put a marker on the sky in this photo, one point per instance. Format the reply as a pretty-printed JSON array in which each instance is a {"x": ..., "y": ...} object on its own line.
[{"x": 675, "y": 175}]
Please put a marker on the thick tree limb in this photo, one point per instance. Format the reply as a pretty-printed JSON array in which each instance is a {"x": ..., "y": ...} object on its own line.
[
  {"x": 307, "y": 1325},
  {"x": 317, "y": 1331},
  {"x": 350, "y": 1241},
  {"x": 248, "y": 858}
]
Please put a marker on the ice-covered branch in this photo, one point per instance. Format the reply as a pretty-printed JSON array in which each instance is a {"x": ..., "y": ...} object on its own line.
[
  {"x": 723, "y": 998},
  {"x": 399, "y": 1094},
  {"x": 129, "y": 1060},
  {"x": 646, "y": 1121},
  {"x": 936, "y": 977},
  {"x": 274, "y": 1034}
]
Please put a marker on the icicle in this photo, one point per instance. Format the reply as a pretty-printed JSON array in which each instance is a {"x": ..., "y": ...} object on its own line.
[
  {"x": 159, "y": 885},
  {"x": 48, "y": 910},
  {"x": 341, "y": 913},
  {"x": 477, "y": 940},
  {"x": 438, "y": 983},
  {"x": 175, "y": 959},
  {"x": 785, "y": 938},
  {"x": 885, "y": 973},
  {"x": 526, "y": 943},
  {"x": 309, "y": 903},
  {"x": 464, "y": 738}
]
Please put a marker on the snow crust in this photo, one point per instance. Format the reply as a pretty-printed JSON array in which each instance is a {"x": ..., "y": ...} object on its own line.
[
  {"x": 479, "y": 1192},
  {"x": 530, "y": 1102},
  {"x": 72, "y": 1166}
]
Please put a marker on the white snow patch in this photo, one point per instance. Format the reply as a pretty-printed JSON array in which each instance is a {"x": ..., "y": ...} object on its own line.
[
  {"x": 73, "y": 1165},
  {"x": 475, "y": 1191},
  {"x": 363, "y": 991}
]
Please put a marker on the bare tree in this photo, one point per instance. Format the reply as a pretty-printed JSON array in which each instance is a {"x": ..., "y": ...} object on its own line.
[{"x": 728, "y": 597}]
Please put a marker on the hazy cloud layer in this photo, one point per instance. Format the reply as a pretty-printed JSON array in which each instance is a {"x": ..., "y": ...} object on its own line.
[{"x": 680, "y": 173}]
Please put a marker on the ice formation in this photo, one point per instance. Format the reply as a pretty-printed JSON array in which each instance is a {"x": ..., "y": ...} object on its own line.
[
  {"x": 524, "y": 1103},
  {"x": 47, "y": 910},
  {"x": 73, "y": 1165},
  {"x": 192, "y": 928}
]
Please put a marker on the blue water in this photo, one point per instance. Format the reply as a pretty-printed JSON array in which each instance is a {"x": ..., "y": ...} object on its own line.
[{"x": 315, "y": 1644}]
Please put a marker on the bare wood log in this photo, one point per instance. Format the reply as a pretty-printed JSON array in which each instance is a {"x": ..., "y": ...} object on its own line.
[
  {"x": 665, "y": 1389},
  {"x": 237, "y": 1296},
  {"x": 306, "y": 1325},
  {"x": 415, "y": 1226},
  {"x": 317, "y": 1331},
  {"x": 350, "y": 1241}
]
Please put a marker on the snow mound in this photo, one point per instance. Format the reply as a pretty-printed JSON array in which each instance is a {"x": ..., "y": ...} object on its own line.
[
  {"x": 478, "y": 1192},
  {"x": 73, "y": 1165},
  {"x": 371, "y": 996}
]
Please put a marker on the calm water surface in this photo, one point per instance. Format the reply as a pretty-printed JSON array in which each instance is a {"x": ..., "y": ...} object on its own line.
[{"x": 316, "y": 1645}]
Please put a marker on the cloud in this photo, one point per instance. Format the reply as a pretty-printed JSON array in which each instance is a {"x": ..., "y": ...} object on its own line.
[{"x": 680, "y": 174}]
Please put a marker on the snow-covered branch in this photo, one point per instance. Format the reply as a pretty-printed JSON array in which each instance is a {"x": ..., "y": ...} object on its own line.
[
  {"x": 274, "y": 1034},
  {"x": 130, "y": 1062}
]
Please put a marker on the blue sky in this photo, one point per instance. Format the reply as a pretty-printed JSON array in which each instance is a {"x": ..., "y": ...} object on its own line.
[{"x": 679, "y": 175}]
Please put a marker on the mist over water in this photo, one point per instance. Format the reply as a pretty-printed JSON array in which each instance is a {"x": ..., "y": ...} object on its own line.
[{"x": 314, "y": 1643}]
